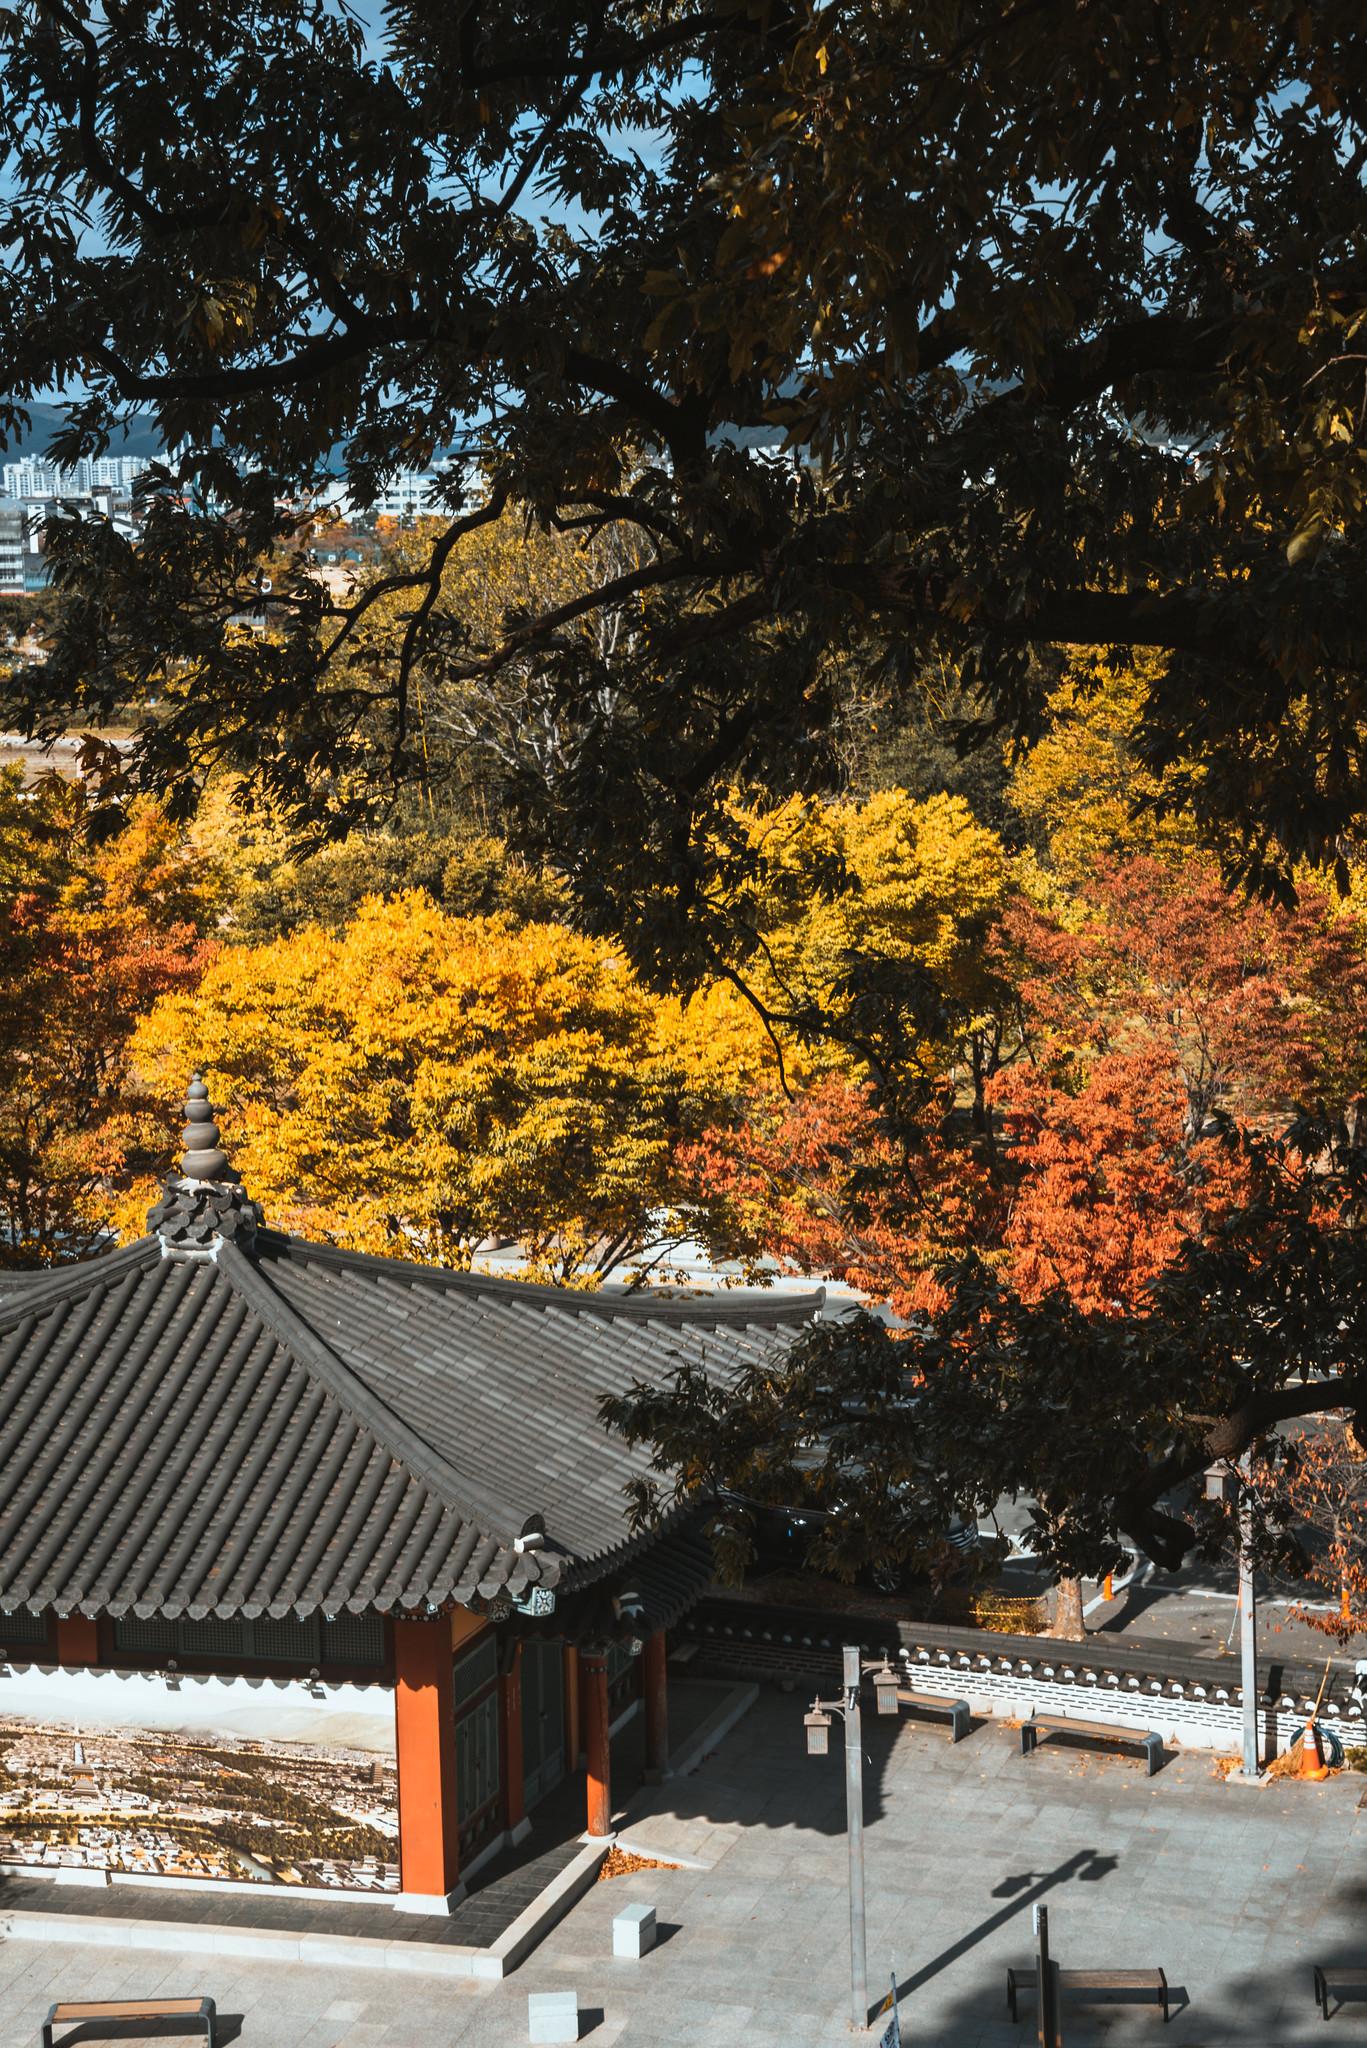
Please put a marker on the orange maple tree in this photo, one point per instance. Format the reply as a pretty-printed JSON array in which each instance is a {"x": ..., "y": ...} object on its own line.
[
  {"x": 1107, "y": 1183},
  {"x": 1318, "y": 1492},
  {"x": 827, "y": 1182},
  {"x": 1258, "y": 1008},
  {"x": 89, "y": 939},
  {"x": 1165, "y": 1019}
]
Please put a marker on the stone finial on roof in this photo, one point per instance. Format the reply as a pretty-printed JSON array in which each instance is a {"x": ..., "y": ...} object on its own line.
[
  {"x": 204, "y": 1158},
  {"x": 205, "y": 1202}
]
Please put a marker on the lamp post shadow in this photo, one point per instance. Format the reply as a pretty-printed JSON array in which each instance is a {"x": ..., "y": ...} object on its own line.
[{"x": 1022, "y": 1891}]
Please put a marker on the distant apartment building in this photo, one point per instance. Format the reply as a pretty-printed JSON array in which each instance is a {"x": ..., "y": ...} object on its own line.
[
  {"x": 13, "y": 531},
  {"x": 412, "y": 494},
  {"x": 32, "y": 477},
  {"x": 21, "y": 561}
]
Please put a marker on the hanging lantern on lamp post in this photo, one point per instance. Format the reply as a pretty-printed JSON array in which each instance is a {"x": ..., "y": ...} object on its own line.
[{"x": 818, "y": 1726}]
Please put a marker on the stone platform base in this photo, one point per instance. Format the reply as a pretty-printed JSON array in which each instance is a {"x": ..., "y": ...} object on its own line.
[{"x": 37, "y": 1909}]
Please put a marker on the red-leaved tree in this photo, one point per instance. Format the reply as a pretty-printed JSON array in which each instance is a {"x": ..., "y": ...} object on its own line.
[{"x": 1167, "y": 1021}]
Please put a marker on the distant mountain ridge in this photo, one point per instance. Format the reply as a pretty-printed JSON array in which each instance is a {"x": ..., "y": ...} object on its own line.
[{"x": 142, "y": 437}]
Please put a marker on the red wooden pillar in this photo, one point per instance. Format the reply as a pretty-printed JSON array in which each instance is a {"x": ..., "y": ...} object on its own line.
[
  {"x": 425, "y": 1738},
  {"x": 510, "y": 1708},
  {"x": 573, "y": 1745},
  {"x": 593, "y": 1666},
  {"x": 655, "y": 1687},
  {"x": 78, "y": 1639}
]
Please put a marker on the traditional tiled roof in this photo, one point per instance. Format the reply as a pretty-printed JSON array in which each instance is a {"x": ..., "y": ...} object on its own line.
[{"x": 247, "y": 1424}]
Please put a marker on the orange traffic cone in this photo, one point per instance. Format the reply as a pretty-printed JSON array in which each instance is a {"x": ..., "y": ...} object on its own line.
[{"x": 1311, "y": 1763}]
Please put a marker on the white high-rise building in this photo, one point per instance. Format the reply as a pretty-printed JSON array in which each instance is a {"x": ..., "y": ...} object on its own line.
[
  {"x": 21, "y": 563},
  {"x": 13, "y": 543},
  {"x": 34, "y": 477},
  {"x": 412, "y": 494}
]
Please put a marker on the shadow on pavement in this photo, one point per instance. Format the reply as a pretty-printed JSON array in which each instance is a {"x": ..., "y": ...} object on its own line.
[
  {"x": 1022, "y": 1891},
  {"x": 1136, "y": 1601},
  {"x": 1272, "y": 2007},
  {"x": 782, "y": 1788}
]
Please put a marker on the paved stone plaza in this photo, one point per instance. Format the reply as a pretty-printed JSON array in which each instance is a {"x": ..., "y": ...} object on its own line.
[{"x": 1234, "y": 1892}]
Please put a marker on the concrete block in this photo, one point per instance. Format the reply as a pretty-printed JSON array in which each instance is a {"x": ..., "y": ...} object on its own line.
[
  {"x": 552, "y": 2016},
  {"x": 633, "y": 1931}
]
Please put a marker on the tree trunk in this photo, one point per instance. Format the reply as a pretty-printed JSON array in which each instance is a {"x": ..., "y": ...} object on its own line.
[{"x": 1068, "y": 1623}]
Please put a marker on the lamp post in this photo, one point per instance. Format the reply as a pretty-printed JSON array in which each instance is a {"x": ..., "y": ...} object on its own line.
[
  {"x": 818, "y": 1724},
  {"x": 1046, "y": 2020},
  {"x": 1248, "y": 1624},
  {"x": 1220, "y": 1484}
]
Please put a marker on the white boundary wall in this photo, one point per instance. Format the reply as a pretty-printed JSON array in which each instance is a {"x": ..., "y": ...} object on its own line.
[{"x": 1193, "y": 1714}]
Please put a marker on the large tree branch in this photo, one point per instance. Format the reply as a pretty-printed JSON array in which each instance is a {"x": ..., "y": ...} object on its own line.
[
  {"x": 442, "y": 550},
  {"x": 1227, "y": 1438},
  {"x": 312, "y": 359},
  {"x": 679, "y": 423},
  {"x": 675, "y": 423},
  {"x": 615, "y": 591},
  {"x": 1219, "y": 622}
]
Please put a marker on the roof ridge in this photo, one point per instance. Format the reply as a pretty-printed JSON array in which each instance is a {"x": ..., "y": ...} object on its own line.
[
  {"x": 789, "y": 1308},
  {"x": 316, "y": 1356},
  {"x": 49, "y": 1284}
]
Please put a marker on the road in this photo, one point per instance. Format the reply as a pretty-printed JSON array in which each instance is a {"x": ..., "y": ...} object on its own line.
[{"x": 1196, "y": 1607}]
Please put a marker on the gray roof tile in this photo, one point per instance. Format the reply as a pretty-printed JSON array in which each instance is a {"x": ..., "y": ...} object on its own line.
[{"x": 288, "y": 1427}]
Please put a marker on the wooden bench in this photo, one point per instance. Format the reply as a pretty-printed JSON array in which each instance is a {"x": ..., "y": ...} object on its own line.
[
  {"x": 70, "y": 2013},
  {"x": 1332, "y": 1977},
  {"x": 1095, "y": 1731},
  {"x": 960, "y": 1720},
  {"x": 1093, "y": 1987}
]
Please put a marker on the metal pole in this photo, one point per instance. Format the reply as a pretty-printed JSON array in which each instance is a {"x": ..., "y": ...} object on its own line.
[
  {"x": 1044, "y": 1982},
  {"x": 854, "y": 1804},
  {"x": 1248, "y": 1624}
]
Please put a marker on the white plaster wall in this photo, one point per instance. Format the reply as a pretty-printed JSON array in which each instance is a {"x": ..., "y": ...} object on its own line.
[{"x": 1190, "y": 1715}]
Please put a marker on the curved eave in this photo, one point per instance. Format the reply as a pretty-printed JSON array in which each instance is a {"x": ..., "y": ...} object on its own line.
[{"x": 760, "y": 1309}]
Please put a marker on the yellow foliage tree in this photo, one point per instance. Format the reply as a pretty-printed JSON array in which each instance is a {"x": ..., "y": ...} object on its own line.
[
  {"x": 268, "y": 884},
  {"x": 422, "y": 1084},
  {"x": 871, "y": 920},
  {"x": 1081, "y": 787}
]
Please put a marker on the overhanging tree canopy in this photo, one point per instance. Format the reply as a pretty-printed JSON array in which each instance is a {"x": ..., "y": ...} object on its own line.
[
  {"x": 1105, "y": 1423},
  {"x": 880, "y": 323}
]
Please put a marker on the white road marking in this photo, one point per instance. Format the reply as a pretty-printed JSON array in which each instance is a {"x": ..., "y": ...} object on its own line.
[{"x": 1264, "y": 1599}]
